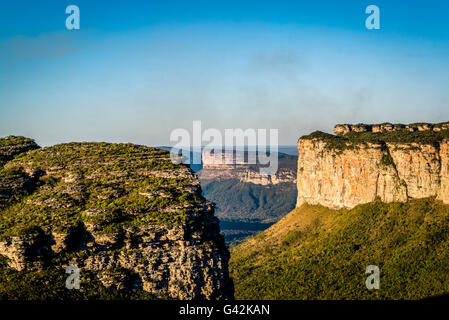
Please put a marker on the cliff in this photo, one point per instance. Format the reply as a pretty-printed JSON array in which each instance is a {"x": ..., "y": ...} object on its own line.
[
  {"x": 393, "y": 163},
  {"x": 281, "y": 176},
  {"x": 135, "y": 225},
  {"x": 244, "y": 172},
  {"x": 248, "y": 201}
]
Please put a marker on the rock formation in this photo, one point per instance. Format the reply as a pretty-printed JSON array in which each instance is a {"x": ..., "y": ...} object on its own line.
[
  {"x": 12, "y": 146},
  {"x": 126, "y": 216},
  {"x": 342, "y": 129},
  {"x": 283, "y": 175},
  {"x": 388, "y": 162},
  {"x": 215, "y": 168}
]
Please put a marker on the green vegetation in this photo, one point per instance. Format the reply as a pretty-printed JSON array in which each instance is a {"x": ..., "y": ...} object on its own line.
[
  {"x": 248, "y": 202},
  {"x": 292, "y": 237},
  {"x": 110, "y": 185},
  {"x": 49, "y": 284},
  {"x": 353, "y": 139},
  {"x": 71, "y": 188},
  {"x": 12, "y": 146},
  {"x": 12, "y": 141},
  {"x": 319, "y": 253},
  {"x": 245, "y": 208},
  {"x": 387, "y": 159}
]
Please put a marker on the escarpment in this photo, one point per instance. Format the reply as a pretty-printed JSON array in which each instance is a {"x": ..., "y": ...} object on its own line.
[
  {"x": 132, "y": 222},
  {"x": 216, "y": 168},
  {"x": 363, "y": 163}
]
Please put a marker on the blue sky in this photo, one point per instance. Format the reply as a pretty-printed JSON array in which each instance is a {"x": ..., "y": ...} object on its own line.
[{"x": 136, "y": 70}]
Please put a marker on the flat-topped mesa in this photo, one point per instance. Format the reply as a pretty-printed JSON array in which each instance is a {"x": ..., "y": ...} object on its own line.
[
  {"x": 341, "y": 129},
  {"x": 124, "y": 214},
  {"x": 389, "y": 162}
]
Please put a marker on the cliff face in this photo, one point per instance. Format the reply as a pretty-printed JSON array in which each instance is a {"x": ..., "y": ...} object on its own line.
[
  {"x": 249, "y": 173},
  {"x": 281, "y": 176},
  {"x": 444, "y": 175},
  {"x": 127, "y": 217},
  {"x": 350, "y": 169}
]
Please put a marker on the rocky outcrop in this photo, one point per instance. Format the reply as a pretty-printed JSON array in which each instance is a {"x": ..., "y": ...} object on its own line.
[
  {"x": 12, "y": 146},
  {"x": 418, "y": 166},
  {"x": 123, "y": 214},
  {"x": 344, "y": 180},
  {"x": 339, "y": 172},
  {"x": 281, "y": 176},
  {"x": 444, "y": 174},
  {"x": 342, "y": 129},
  {"x": 216, "y": 169}
]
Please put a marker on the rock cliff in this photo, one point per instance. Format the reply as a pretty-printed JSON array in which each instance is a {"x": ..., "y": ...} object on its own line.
[
  {"x": 245, "y": 172},
  {"x": 281, "y": 176},
  {"x": 391, "y": 163},
  {"x": 127, "y": 217}
]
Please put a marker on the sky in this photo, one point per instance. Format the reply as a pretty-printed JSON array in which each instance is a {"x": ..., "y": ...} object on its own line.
[{"x": 137, "y": 70}]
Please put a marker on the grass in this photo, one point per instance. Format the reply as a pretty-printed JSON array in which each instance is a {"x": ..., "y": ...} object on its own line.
[
  {"x": 354, "y": 139},
  {"x": 319, "y": 253},
  {"x": 111, "y": 185}
]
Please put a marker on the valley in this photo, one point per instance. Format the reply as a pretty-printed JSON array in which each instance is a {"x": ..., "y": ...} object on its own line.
[{"x": 248, "y": 202}]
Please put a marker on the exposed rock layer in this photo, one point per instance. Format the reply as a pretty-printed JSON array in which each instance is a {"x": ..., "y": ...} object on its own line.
[
  {"x": 121, "y": 212},
  {"x": 247, "y": 172},
  {"x": 361, "y": 171}
]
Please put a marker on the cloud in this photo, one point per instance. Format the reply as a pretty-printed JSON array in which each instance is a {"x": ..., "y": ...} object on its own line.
[
  {"x": 46, "y": 45},
  {"x": 283, "y": 63}
]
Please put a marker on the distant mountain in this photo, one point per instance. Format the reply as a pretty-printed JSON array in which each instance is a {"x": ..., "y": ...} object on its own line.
[{"x": 248, "y": 202}]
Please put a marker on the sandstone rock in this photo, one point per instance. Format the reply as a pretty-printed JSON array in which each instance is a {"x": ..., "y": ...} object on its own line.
[
  {"x": 443, "y": 193},
  {"x": 342, "y": 129},
  {"x": 123, "y": 213},
  {"x": 418, "y": 165},
  {"x": 282, "y": 176},
  {"x": 344, "y": 180},
  {"x": 359, "y": 172}
]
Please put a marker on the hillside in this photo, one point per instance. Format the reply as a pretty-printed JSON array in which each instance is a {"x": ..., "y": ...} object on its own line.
[
  {"x": 369, "y": 195},
  {"x": 247, "y": 208},
  {"x": 319, "y": 253},
  {"x": 135, "y": 225}
]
